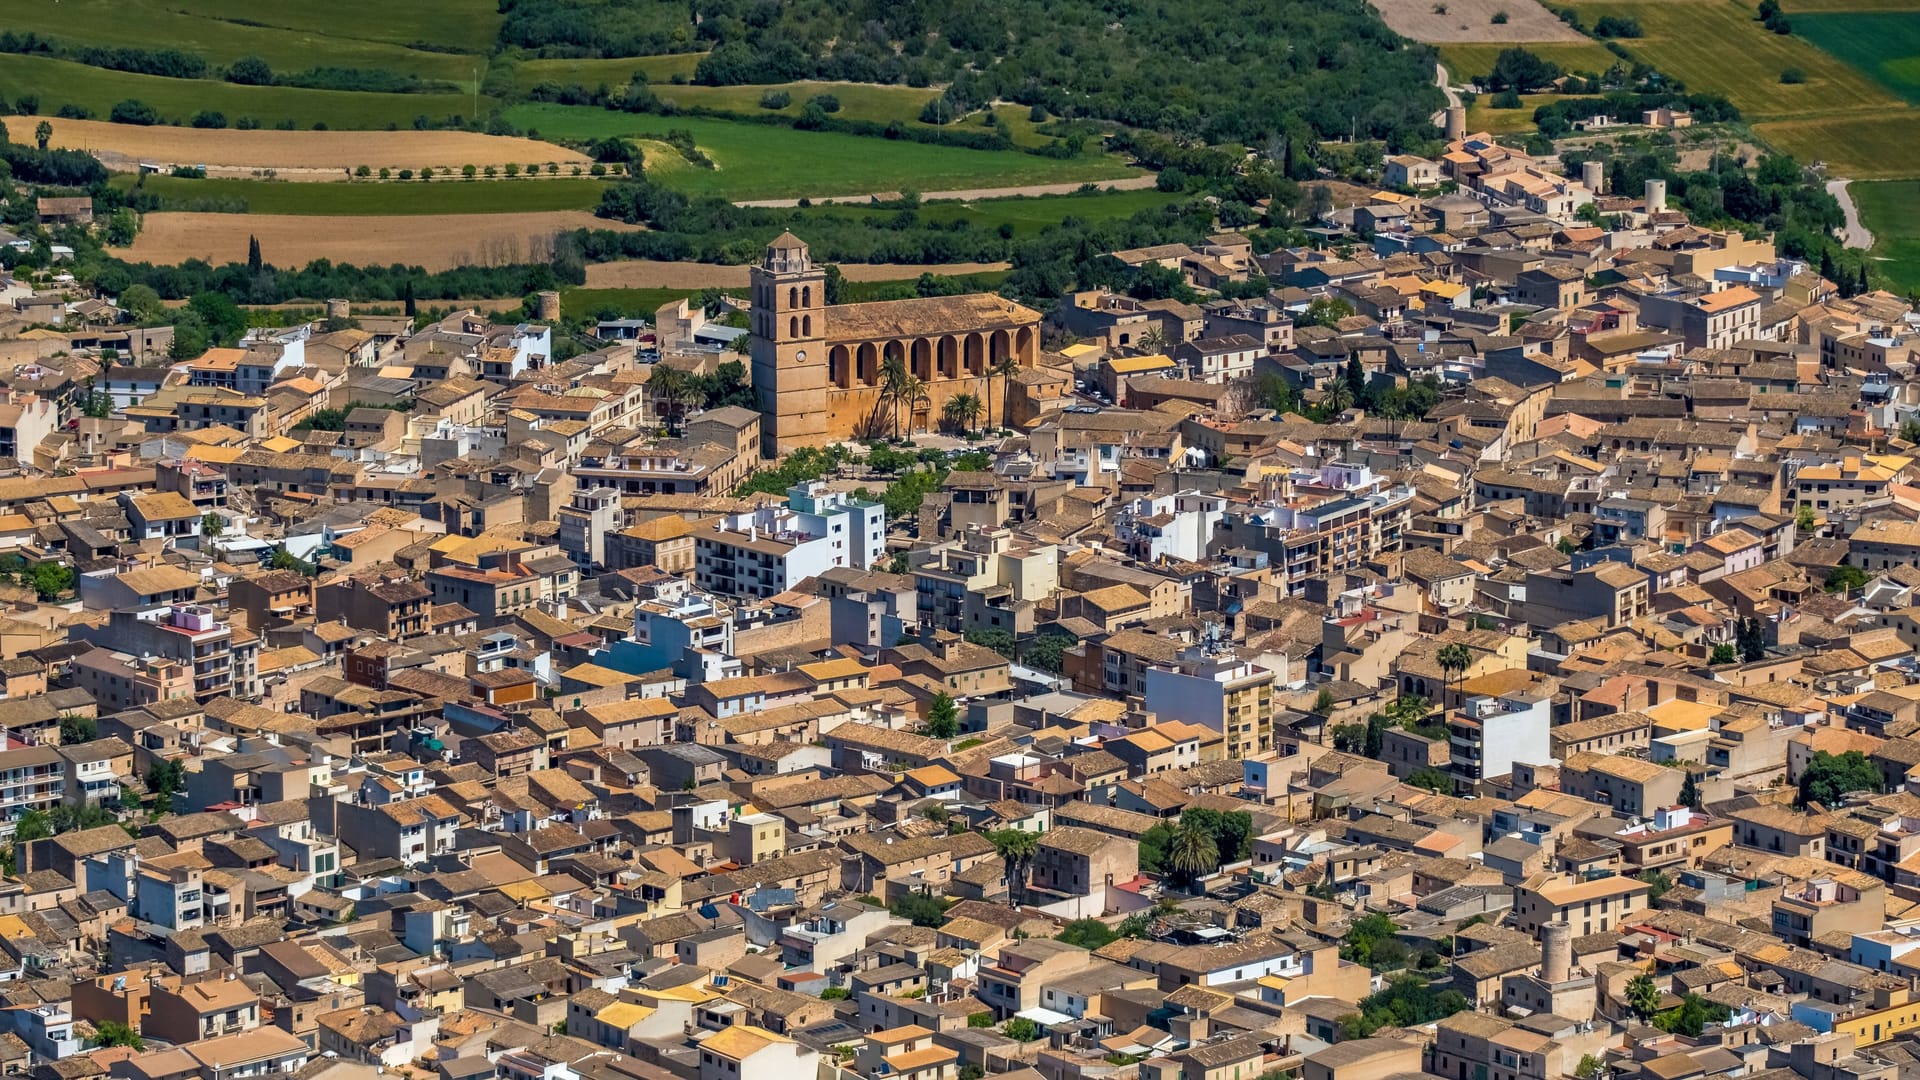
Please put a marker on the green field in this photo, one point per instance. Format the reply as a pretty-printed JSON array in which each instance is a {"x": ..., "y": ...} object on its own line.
[
  {"x": 1026, "y": 215},
  {"x": 1718, "y": 46},
  {"x": 1483, "y": 117},
  {"x": 1892, "y": 210},
  {"x": 448, "y": 197},
  {"x": 1465, "y": 62},
  {"x": 591, "y": 73},
  {"x": 765, "y": 161},
  {"x": 295, "y": 37},
  {"x": 647, "y": 301},
  {"x": 58, "y": 82},
  {"x": 1860, "y": 146},
  {"x": 1884, "y": 44}
]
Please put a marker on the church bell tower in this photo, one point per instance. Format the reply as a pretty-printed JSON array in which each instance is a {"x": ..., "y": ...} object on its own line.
[{"x": 789, "y": 347}]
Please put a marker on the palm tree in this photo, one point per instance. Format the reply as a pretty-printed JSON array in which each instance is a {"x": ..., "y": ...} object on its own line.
[
  {"x": 1004, "y": 369},
  {"x": 913, "y": 393},
  {"x": 42, "y": 134},
  {"x": 1192, "y": 852},
  {"x": 1017, "y": 850},
  {"x": 893, "y": 373},
  {"x": 966, "y": 410},
  {"x": 1642, "y": 996},
  {"x": 950, "y": 412},
  {"x": 1453, "y": 660},
  {"x": 1154, "y": 339},
  {"x": 667, "y": 384}
]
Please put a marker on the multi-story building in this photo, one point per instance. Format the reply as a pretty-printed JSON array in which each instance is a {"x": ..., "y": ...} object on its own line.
[
  {"x": 1207, "y": 684},
  {"x": 985, "y": 580},
  {"x": 1489, "y": 734},
  {"x": 769, "y": 550},
  {"x": 1332, "y": 520},
  {"x": 585, "y": 525},
  {"x": 34, "y": 778},
  {"x": 192, "y": 636}
]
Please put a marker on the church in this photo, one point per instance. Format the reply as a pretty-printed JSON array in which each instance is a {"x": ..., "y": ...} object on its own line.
[{"x": 817, "y": 368}]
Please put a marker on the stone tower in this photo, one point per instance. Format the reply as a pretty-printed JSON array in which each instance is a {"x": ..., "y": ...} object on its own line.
[{"x": 789, "y": 331}]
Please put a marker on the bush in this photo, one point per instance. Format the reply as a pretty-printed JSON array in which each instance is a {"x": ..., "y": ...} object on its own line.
[
  {"x": 775, "y": 99},
  {"x": 1617, "y": 26},
  {"x": 1171, "y": 180},
  {"x": 1793, "y": 76},
  {"x": 134, "y": 111},
  {"x": 937, "y": 111},
  {"x": 209, "y": 118},
  {"x": 250, "y": 71},
  {"x": 827, "y": 102},
  {"x": 1506, "y": 99},
  {"x": 1499, "y": 18}
]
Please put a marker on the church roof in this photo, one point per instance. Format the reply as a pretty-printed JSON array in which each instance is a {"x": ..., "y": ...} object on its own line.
[{"x": 933, "y": 315}]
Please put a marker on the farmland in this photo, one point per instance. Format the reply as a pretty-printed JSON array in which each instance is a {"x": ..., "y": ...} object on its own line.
[
  {"x": 1472, "y": 21},
  {"x": 592, "y": 72},
  {"x": 1719, "y": 47},
  {"x": 1884, "y": 44},
  {"x": 436, "y": 242},
  {"x": 1026, "y": 216},
  {"x": 649, "y": 274},
  {"x": 292, "y": 36},
  {"x": 1892, "y": 211},
  {"x": 1466, "y": 62},
  {"x": 328, "y": 152},
  {"x": 373, "y": 198},
  {"x": 764, "y": 161},
  {"x": 1481, "y": 116}
]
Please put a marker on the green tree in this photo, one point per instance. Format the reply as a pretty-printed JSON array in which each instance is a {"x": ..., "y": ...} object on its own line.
[
  {"x": 835, "y": 993},
  {"x": 1804, "y": 518},
  {"x": 1724, "y": 653},
  {"x": 75, "y": 728},
  {"x": 1692, "y": 1016},
  {"x": 1020, "y": 1029},
  {"x": 1844, "y": 578},
  {"x": 1690, "y": 793},
  {"x": 164, "y": 777},
  {"x": 212, "y": 525},
  {"x": 1323, "y": 703},
  {"x": 1364, "y": 936},
  {"x": 1000, "y": 641},
  {"x": 1433, "y": 780},
  {"x": 1589, "y": 1067},
  {"x": 114, "y": 1033},
  {"x": 1829, "y": 776},
  {"x": 1323, "y": 312},
  {"x": 30, "y": 826},
  {"x": 1003, "y": 369},
  {"x": 921, "y": 909},
  {"x": 1153, "y": 848},
  {"x": 42, "y": 134},
  {"x": 51, "y": 579},
  {"x": 1750, "y": 636},
  {"x": 1232, "y": 831},
  {"x": 1016, "y": 848},
  {"x": 1657, "y": 884},
  {"x": 1192, "y": 853},
  {"x": 1642, "y": 996},
  {"x": 943, "y": 718},
  {"x": 1408, "y": 1000},
  {"x": 1089, "y": 934},
  {"x": 1048, "y": 650}
]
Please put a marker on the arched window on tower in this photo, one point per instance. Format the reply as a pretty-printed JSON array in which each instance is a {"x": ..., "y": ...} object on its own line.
[
  {"x": 793, "y": 296},
  {"x": 806, "y": 296},
  {"x": 793, "y": 327},
  {"x": 806, "y": 325}
]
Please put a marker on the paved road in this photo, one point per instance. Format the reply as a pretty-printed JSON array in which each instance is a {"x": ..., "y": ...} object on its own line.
[
  {"x": 1453, "y": 96},
  {"x": 1855, "y": 235},
  {"x": 1130, "y": 183}
]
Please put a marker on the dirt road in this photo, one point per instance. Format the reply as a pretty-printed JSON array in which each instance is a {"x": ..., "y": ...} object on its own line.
[{"x": 1446, "y": 87}]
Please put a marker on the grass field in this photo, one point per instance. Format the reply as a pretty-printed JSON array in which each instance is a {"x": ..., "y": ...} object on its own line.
[
  {"x": 326, "y": 200},
  {"x": 59, "y": 82},
  {"x": 1861, "y": 146},
  {"x": 1027, "y": 215},
  {"x": 295, "y": 37},
  {"x": 591, "y": 73},
  {"x": 1884, "y": 44},
  {"x": 1717, "y": 46},
  {"x": 764, "y": 161},
  {"x": 1482, "y": 117},
  {"x": 1892, "y": 210},
  {"x": 1465, "y": 62}
]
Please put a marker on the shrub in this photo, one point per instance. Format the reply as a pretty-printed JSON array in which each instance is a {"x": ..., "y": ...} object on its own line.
[
  {"x": 937, "y": 111},
  {"x": 1617, "y": 26},
  {"x": 1499, "y": 18},
  {"x": 209, "y": 118},
  {"x": 1506, "y": 99},
  {"x": 468, "y": 171},
  {"x": 827, "y": 102},
  {"x": 250, "y": 71},
  {"x": 1793, "y": 76},
  {"x": 134, "y": 111},
  {"x": 776, "y": 100},
  {"x": 405, "y": 174}
]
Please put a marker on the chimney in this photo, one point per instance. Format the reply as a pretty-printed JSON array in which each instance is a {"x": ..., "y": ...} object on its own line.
[{"x": 1556, "y": 952}]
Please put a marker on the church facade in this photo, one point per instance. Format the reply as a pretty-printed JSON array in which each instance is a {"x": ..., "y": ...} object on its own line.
[{"x": 819, "y": 369}]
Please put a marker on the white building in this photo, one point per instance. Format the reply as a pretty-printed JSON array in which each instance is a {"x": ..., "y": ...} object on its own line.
[
  {"x": 1491, "y": 733},
  {"x": 1175, "y": 526},
  {"x": 769, "y": 550}
]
